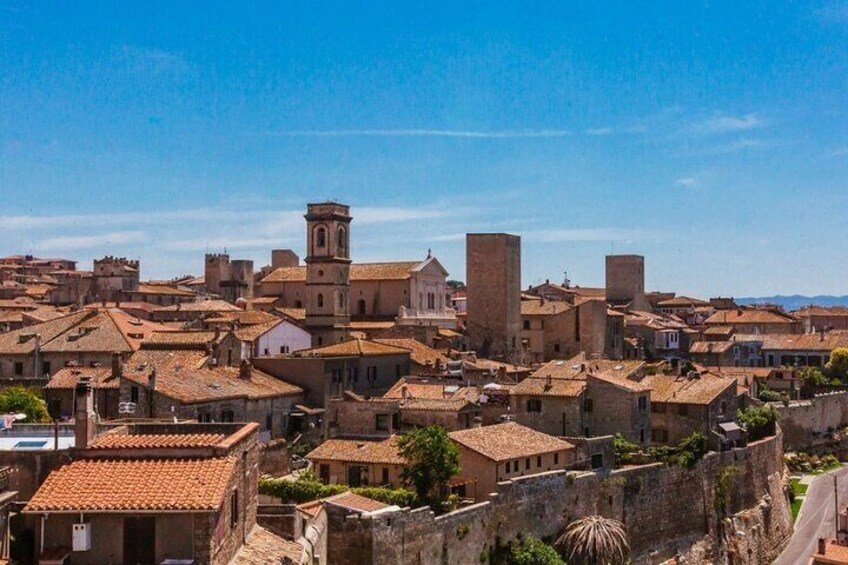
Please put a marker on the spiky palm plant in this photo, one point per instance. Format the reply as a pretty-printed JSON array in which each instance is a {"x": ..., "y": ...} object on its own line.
[{"x": 595, "y": 540}]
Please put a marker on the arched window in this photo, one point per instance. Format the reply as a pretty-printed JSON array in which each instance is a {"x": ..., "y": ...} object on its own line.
[
  {"x": 321, "y": 237},
  {"x": 360, "y": 307},
  {"x": 320, "y": 300},
  {"x": 342, "y": 242}
]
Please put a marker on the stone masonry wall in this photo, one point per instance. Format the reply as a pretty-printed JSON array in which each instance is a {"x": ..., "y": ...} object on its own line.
[
  {"x": 690, "y": 510},
  {"x": 806, "y": 422}
]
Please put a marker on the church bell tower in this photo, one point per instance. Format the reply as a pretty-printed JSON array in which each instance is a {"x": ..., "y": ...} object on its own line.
[{"x": 327, "y": 272}]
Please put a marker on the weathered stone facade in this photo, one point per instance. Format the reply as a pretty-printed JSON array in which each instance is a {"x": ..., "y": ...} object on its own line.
[{"x": 668, "y": 511}]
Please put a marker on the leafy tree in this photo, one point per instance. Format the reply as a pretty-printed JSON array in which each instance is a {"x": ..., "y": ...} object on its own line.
[
  {"x": 837, "y": 367},
  {"x": 431, "y": 460},
  {"x": 595, "y": 540},
  {"x": 528, "y": 550},
  {"x": 18, "y": 399},
  {"x": 811, "y": 376},
  {"x": 758, "y": 421},
  {"x": 692, "y": 449}
]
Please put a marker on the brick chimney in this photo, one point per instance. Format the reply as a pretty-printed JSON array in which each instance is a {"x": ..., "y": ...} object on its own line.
[
  {"x": 84, "y": 416},
  {"x": 822, "y": 546},
  {"x": 404, "y": 392},
  {"x": 245, "y": 369}
]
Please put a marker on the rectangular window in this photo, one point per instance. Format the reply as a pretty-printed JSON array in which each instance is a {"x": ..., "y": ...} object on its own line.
[
  {"x": 45, "y": 368},
  {"x": 534, "y": 405},
  {"x": 597, "y": 460},
  {"x": 506, "y": 467},
  {"x": 372, "y": 373},
  {"x": 539, "y": 461},
  {"x": 227, "y": 416},
  {"x": 641, "y": 435},
  {"x": 515, "y": 466},
  {"x": 385, "y": 475},
  {"x": 382, "y": 422},
  {"x": 526, "y": 324},
  {"x": 134, "y": 394},
  {"x": 556, "y": 458},
  {"x": 643, "y": 403},
  {"x": 683, "y": 409},
  {"x": 234, "y": 509},
  {"x": 269, "y": 422},
  {"x": 589, "y": 405},
  {"x": 527, "y": 464},
  {"x": 204, "y": 418},
  {"x": 324, "y": 473},
  {"x": 556, "y": 348},
  {"x": 658, "y": 407},
  {"x": 19, "y": 369}
]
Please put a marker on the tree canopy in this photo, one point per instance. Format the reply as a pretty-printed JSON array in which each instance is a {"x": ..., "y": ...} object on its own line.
[
  {"x": 837, "y": 367},
  {"x": 17, "y": 399},
  {"x": 431, "y": 460}
]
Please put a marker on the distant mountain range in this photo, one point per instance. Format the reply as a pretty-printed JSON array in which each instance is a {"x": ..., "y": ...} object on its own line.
[{"x": 796, "y": 301}]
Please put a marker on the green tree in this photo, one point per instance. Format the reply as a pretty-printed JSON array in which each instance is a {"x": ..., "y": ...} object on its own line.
[
  {"x": 757, "y": 421},
  {"x": 811, "y": 376},
  {"x": 528, "y": 550},
  {"x": 431, "y": 460},
  {"x": 17, "y": 399},
  {"x": 595, "y": 540},
  {"x": 837, "y": 367}
]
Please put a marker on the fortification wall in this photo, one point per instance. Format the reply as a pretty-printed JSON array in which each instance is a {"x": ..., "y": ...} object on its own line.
[
  {"x": 668, "y": 511},
  {"x": 807, "y": 422}
]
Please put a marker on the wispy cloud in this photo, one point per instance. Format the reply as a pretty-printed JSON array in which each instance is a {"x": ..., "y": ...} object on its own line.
[
  {"x": 90, "y": 241},
  {"x": 496, "y": 134},
  {"x": 725, "y": 123},
  {"x": 599, "y": 131},
  {"x": 686, "y": 182},
  {"x": 589, "y": 234}
]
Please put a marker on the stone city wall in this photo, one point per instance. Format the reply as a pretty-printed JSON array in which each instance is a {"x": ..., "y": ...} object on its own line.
[
  {"x": 730, "y": 508},
  {"x": 806, "y": 423}
]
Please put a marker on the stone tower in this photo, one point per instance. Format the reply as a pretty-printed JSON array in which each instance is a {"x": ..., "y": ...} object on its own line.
[
  {"x": 493, "y": 270},
  {"x": 327, "y": 272},
  {"x": 625, "y": 281}
]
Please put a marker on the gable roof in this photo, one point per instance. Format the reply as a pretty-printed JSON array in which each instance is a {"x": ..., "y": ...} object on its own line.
[
  {"x": 749, "y": 316},
  {"x": 146, "y": 485},
  {"x": 428, "y": 389},
  {"x": 806, "y": 342},
  {"x": 14, "y": 342},
  {"x": 352, "y": 348},
  {"x": 544, "y": 308},
  {"x": 359, "y": 451},
  {"x": 685, "y": 390},
  {"x": 509, "y": 440},
  {"x": 398, "y": 270},
  {"x": 418, "y": 352},
  {"x": 346, "y": 499},
  {"x": 156, "y": 441},
  {"x": 682, "y": 301},
  {"x": 67, "y": 378}
]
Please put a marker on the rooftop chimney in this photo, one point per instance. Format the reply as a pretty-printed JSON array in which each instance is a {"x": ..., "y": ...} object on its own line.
[
  {"x": 245, "y": 369},
  {"x": 404, "y": 392},
  {"x": 84, "y": 417},
  {"x": 822, "y": 546}
]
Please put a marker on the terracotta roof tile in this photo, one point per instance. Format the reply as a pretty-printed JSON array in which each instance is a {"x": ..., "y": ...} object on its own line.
[
  {"x": 346, "y": 500},
  {"x": 627, "y": 384},
  {"x": 806, "y": 342},
  {"x": 264, "y": 546},
  {"x": 538, "y": 386},
  {"x": 685, "y": 390},
  {"x": 429, "y": 389},
  {"x": 358, "y": 272},
  {"x": 13, "y": 342},
  {"x": 135, "y": 486},
  {"x": 156, "y": 441},
  {"x": 352, "y": 348},
  {"x": 508, "y": 441},
  {"x": 191, "y": 385},
  {"x": 358, "y": 451},
  {"x": 543, "y": 308},
  {"x": 202, "y": 306},
  {"x": 68, "y": 378},
  {"x": 419, "y": 353},
  {"x": 186, "y": 338},
  {"x": 749, "y": 316},
  {"x": 161, "y": 289},
  {"x": 297, "y": 314}
]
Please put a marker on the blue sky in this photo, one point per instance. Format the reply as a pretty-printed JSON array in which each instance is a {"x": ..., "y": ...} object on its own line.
[{"x": 708, "y": 136}]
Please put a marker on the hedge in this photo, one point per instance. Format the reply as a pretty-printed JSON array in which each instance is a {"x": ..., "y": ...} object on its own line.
[{"x": 305, "y": 490}]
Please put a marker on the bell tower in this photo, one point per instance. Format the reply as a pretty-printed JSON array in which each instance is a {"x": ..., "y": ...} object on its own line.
[{"x": 327, "y": 272}]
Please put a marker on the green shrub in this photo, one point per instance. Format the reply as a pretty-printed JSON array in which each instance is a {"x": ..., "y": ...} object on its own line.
[
  {"x": 528, "y": 550},
  {"x": 17, "y": 399},
  {"x": 757, "y": 421},
  {"x": 767, "y": 395},
  {"x": 307, "y": 488}
]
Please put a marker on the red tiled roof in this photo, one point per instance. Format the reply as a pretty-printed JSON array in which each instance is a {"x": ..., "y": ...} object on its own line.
[
  {"x": 352, "y": 348},
  {"x": 67, "y": 378},
  {"x": 358, "y": 451},
  {"x": 142, "y": 485},
  {"x": 399, "y": 270},
  {"x": 508, "y": 441},
  {"x": 685, "y": 390},
  {"x": 155, "y": 441},
  {"x": 419, "y": 353},
  {"x": 346, "y": 500}
]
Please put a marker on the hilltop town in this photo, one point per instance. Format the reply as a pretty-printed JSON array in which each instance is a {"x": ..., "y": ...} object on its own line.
[{"x": 319, "y": 410}]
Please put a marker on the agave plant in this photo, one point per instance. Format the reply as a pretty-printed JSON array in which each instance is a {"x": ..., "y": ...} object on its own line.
[{"x": 595, "y": 540}]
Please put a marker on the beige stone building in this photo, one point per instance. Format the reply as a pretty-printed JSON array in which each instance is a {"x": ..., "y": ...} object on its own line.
[
  {"x": 358, "y": 462},
  {"x": 491, "y": 454}
]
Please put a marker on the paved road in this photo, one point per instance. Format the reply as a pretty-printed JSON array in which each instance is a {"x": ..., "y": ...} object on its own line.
[{"x": 816, "y": 518}]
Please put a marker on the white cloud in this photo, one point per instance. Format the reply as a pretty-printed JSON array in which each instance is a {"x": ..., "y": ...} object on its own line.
[
  {"x": 90, "y": 241},
  {"x": 686, "y": 182},
  {"x": 599, "y": 131},
  {"x": 724, "y": 123},
  {"x": 589, "y": 234},
  {"x": 502, "y": 134}
]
